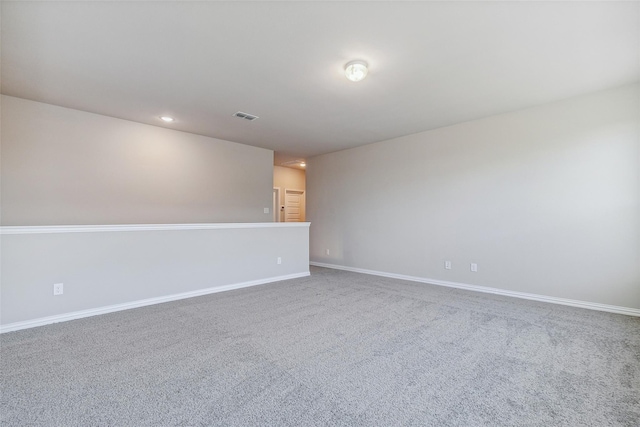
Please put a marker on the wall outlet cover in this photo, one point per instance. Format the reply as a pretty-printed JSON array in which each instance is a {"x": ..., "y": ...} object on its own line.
[{"x": 58, "y": 288}]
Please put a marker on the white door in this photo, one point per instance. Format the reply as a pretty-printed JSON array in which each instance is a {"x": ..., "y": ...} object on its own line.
[{"x": 293, "y": 202}]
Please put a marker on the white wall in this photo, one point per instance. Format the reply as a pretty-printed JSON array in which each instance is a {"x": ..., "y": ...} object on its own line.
[
  {"x": 289, "y": 178},
  {"x": 63, "y": 166},
  {"x": 545, "y": 200},
  {"x": 103, "y": 269}
]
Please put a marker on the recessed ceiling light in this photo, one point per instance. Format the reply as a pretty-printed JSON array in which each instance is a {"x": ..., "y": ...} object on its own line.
[
  {"x": 303, "y": 164},
  {"x": 356, "y": 70},
  {"x": 166, "y": 119}
]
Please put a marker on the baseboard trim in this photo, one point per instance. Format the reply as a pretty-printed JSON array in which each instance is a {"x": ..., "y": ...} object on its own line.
[
  {"x": 16, "y": 326},
  {"x": 535, "y": 297}
]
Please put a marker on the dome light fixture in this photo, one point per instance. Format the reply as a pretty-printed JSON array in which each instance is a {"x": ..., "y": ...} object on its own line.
[
  {"x": 356, "y": 70},
  {"x": 303, "y": 164},
  {"x": 166, "y": 119}
]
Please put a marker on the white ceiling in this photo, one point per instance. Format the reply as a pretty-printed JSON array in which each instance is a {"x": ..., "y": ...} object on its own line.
[{"x": 432, "y": 64}]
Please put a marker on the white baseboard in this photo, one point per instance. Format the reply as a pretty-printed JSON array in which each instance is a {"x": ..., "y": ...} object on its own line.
[
  {"x": 535, "y": 297},
  {"x": 16, "y": 326}
]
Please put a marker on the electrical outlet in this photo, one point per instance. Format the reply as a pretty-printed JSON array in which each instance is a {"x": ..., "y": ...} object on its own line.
[
  {"x": 328, "y": 251},
  {"x": 474, "y": 267},
  {"x": 447, "y": 265},
  {"x": 58, "y": 288},
  {"x": 266, "y": 210},
  {"x": 279, "y": 260}
]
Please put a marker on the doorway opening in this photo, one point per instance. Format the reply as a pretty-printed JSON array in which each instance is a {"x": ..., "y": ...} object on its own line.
[{"x": 289, "y": 186}]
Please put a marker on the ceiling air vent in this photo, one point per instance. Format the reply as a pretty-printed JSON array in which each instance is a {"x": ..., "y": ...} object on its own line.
[{"x": 245, "y": 116}]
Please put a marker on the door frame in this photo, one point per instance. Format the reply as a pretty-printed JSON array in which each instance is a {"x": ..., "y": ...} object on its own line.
[{"x": 276, "y": 209}]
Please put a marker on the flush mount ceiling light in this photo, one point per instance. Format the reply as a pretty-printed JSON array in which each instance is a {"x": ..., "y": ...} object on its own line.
[
  {"x": 356, "y": 70},
  {"x": 294, "y": 163},
  {"x": 166, "y": 119}
]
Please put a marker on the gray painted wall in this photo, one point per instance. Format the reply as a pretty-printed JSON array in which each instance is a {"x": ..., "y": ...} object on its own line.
[
  {"x": 106, "y": 268},
  {"x": 544, "y": 200},
  {"x": 63, "y": 166}
]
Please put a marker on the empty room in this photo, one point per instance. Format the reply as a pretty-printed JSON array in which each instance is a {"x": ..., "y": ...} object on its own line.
[{"x": 320, "y": 213}]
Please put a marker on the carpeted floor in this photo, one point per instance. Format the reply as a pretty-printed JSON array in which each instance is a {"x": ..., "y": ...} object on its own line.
[{"x": 334, "y": 349}]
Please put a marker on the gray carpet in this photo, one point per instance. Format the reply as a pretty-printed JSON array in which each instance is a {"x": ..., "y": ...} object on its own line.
[{"x": 334, "y": 349}]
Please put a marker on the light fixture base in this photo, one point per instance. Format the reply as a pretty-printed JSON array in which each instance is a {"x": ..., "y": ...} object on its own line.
[{"x": 356, "y": 70}]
